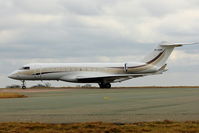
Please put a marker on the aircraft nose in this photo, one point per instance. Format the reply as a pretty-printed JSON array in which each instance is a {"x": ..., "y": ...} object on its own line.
[{"x": 13, "y": 75}]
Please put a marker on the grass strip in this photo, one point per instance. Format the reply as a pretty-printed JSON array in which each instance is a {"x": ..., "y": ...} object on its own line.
[
  {"x": 100, "y": 127},
  {"x": 11, "y": 95}
]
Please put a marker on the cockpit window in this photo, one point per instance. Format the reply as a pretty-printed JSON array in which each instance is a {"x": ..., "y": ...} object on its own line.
[{"x": 25, "y": 68}]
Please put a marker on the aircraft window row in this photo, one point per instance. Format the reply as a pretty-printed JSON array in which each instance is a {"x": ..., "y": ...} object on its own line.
[
  {"x": 83, "y": 69},
  {"x": 75, "y": 69}
]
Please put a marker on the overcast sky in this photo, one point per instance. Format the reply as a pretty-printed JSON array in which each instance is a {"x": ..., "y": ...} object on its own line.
[{"x": 99, "y": 31}]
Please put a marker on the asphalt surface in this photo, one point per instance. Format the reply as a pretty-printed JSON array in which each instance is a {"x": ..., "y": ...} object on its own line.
[{"x": 107, "y": 105}]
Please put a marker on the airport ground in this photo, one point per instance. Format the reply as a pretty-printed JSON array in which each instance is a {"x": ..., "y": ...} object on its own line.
[
  {"x": 128, "y": 105},
  {"x": 108, "y": 105}
]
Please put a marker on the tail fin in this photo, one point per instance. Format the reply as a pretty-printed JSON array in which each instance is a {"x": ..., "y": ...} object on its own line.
[{"x": 161, "y": 53}]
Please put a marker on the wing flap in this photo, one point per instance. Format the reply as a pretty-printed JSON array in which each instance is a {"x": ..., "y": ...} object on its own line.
[{"x": 109, "y": 77}]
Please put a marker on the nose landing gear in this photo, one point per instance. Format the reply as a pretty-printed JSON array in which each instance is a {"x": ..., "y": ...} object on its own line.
[
  {"x": 105, "y": 85},
  {"x": 23, "y": 84}
]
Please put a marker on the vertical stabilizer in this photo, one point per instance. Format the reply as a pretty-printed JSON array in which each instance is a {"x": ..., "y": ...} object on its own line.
[{"x": 160, "y": 54}]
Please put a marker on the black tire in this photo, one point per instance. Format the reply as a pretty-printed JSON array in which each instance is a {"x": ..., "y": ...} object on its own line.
[
  {"x": 104, "y": 85},
  {"x": 23, "y": 87},
  {"x": 108, "y": 85},
  {"x": 101, "y": 85}
]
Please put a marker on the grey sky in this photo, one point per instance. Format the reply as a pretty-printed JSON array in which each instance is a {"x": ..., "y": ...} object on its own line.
[{"x": 99, "y": 31}]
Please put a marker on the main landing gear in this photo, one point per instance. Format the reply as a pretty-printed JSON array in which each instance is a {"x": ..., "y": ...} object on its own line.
[
  {"x": 105, "y": 85},
  {"x": 23, "y": 84}
]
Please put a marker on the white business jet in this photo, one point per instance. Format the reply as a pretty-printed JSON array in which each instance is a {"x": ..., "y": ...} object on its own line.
[{"x": 102, "y": 73}]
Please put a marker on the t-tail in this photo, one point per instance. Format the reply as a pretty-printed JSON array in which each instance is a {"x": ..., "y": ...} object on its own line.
[{"x": 161, "y": 54}]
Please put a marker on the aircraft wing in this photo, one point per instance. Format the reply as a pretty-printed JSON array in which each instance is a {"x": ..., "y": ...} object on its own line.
[
  {"x": 107, "y": 78},
  {"x": 95, "y": 77}
]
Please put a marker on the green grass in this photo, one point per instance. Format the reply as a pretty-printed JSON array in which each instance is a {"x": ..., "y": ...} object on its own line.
[{"x": 100, "y": 127}]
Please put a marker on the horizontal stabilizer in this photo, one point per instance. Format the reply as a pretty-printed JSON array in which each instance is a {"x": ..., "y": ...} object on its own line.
[{"x": 165, "y": 44}]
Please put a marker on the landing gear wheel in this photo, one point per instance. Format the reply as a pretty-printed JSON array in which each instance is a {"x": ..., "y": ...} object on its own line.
[
  {"x": 100, "y": 85},
  {"x": 105, "y": 85},
  {"x": 108, "y": 85},
  {"x": 23, "y": 87},
  {"x": 23, "y": 84}
]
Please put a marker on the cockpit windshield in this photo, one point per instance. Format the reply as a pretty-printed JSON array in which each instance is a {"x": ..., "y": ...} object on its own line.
[{"x": 25, "y": 68}]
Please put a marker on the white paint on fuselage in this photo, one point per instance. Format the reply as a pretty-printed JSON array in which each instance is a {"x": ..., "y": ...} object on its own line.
[{"x": 54, "y": 71}]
